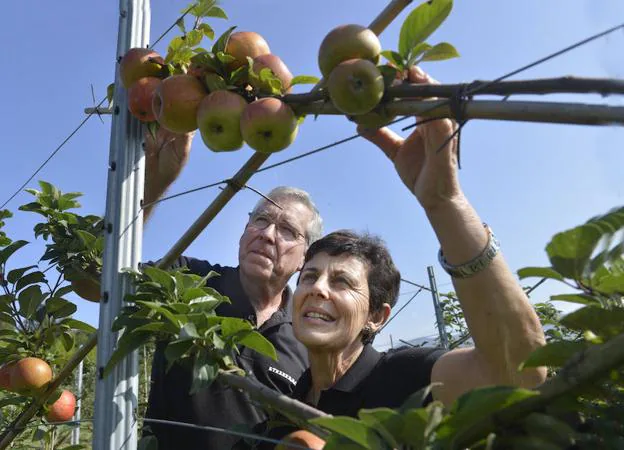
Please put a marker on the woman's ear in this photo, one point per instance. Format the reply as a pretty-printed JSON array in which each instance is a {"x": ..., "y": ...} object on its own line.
[{"x": 378, "y": 319}]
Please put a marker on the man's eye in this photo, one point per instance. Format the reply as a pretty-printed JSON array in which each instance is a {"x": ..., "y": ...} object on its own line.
[
  {"x": 288, "y": 232},
  {"x": 261, "y": 221}
]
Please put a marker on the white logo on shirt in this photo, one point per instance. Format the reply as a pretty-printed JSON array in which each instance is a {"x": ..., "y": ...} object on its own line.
[{"x": 283, "y": 374}]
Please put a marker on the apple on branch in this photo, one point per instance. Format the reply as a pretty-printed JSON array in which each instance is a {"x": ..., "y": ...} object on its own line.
[
  {"x": 218, "y": 118},
  {"x": 268, "y": 125}
]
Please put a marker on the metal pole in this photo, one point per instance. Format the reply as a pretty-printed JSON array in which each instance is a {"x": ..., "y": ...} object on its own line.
[
  {"x": 116, "y": 396},
  {"x": 75, "y": 436},
  {"x": 437, "y": 307}
]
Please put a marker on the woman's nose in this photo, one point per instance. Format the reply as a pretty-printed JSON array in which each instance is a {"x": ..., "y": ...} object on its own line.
[{"x": 320, "y": 287}]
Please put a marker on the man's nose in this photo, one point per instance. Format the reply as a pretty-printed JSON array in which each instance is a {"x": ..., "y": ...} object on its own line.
[{"x": 269, "y": 233}]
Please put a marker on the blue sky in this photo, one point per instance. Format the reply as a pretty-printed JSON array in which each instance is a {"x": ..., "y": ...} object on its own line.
[{"x": 527, "y": 181}]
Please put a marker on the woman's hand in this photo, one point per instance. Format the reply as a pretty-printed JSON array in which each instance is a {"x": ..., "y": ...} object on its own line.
[{"x": 431, "y": 175}]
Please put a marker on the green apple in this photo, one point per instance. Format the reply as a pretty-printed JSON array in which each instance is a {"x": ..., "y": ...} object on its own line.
[
  {"x": 218, "y": 119},
  {"x": 139, "y": 63},
  {"x": 347, "y": 42},
  {"x": 176, "y": 101},
  {"x": 355, "y": 86},
  {"x": 268, "y": 125}
]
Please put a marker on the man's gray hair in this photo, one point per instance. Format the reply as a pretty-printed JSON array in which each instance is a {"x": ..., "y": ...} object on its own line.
[{"x": 315, "y": 227}]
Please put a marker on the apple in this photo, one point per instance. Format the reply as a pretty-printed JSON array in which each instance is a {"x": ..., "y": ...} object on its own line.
[
  {"x": 301, "y": 438},
  {"x": 347, "y": 42},
  {"x": 243, "y": 44},
  {"x": 268, "y": 125},
  {"x": 87, "y": 289},
  {"x": 355, "y": 86},
  {"x": 277, "y": 66},
  {"x": 176, "y": 101},
  {"x": 218, "y": 118},
  {"x": 139, "y": 63},
  {"x": 140, "y": 97},
  {"x": 62, "y": 409},
  {"x": 28, "y": 375},
  {"x": 5, "y": 376},
  {"x": 374, "y": 119}
]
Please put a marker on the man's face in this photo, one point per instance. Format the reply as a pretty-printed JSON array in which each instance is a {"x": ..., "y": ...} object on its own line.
[{"x": 273, "y": 244}]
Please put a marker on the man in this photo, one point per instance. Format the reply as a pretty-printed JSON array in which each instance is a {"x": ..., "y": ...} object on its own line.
[{"x": 271, "y": 250}]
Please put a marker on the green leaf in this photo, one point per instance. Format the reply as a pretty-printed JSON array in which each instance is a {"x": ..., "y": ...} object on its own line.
[
  {"x": 87, "y": 239},
  {"x": 417, "y": 399},
  {"x": 215, "y": 82},
  {"x": 421, "y": 22},
  {"x": 219, "y": 45},
  {"x": 193, "y": 38},
  {"x": 541, "y": 272},
  {"x": 415, "y": 424},
  {"x": 569, "y": 251},
  {"x": 603, "y": 322},
  {"x": 416, "y": 52},
  {"x": 257, "y": 342},
  {"x": 68, "y": 341},
  {"x": 232, "y": 325},
  {"x": 204, "y": 372},
  {"x": 207, "y": 30},
  {"x": 387, "y": 422},
  {"x": 7, "y": 251},
  {"x": 176, "y": 349},
  {"x": 128, "y": 342},
  {"x": 161, "y": 277},
  {"x": 59, "y": 307},
  {"x": 162, "y": 327},
  {"x": 583, "y": 299},
  {"x": 352, "y": 429},
  {"x": 395, "y": 58},
  {"x": 440, "y": 52},
  {"x": 79, "y": 325},
  {"x": 16, "y": 274},
  {"x": 217, "y": 12},
  {"x": 29, "y": 299},
  {"x": 28, "y": 279},
  {"x": 481, "y": 402},
  {"x": 304, "y": 79},
  {"x": 110, "y": 94},
  {"x": 553, "y": 354}
]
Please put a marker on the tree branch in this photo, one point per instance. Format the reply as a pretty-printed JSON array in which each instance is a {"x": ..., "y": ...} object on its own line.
[{"x": 545, "y": 112}]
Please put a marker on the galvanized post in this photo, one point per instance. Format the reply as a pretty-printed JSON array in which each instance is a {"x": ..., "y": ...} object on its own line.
[
  {"x": 116, "y": 396},
  {"x": 75, "y": 435},
  {"x": 437, "y": 307}
]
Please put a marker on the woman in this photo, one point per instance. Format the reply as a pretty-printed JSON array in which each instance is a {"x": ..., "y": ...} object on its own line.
[
  {"x": 349, "y": 284},
  {"x": 345, "y": 292}
]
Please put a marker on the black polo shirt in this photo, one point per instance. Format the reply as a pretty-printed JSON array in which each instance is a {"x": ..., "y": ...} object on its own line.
[
  {"x": 219, "y": 405},
  {"x": 375, "y": 380}
]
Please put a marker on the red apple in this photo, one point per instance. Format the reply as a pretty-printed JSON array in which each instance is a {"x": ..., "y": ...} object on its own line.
[
  {"x": 28, "y": 375},
  {"x": 268, "y": 125},
  {"x": 62, "y": 409},
  {"x": 277, "y": 66},
  {"x": 176, "y": 101},
  {"x": 141, "y": 62},
  {"x": 140, "y": 97},
  {"x": 243, "y": 44}
]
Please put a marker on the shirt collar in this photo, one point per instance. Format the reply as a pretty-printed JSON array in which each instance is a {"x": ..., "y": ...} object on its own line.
[
  {"x": 359, "y": 371},
  {"x": 353, "y": 377}
]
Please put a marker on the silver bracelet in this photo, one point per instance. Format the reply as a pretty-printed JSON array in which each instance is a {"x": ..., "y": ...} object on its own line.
[{"x": 475, "y": 265}]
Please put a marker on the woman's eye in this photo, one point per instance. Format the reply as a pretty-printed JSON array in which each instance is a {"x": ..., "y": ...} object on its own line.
[{"x": 308, "y": 277}]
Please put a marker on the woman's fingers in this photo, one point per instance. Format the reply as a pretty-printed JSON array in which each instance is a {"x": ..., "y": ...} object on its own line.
[{"x": 384, "y": 138}]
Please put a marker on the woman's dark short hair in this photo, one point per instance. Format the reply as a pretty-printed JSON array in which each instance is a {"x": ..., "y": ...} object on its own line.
[{"x": 384, "y": 279}]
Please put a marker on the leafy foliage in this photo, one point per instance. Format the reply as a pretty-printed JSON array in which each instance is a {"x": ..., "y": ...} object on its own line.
[{"x": 179, "y": 308}]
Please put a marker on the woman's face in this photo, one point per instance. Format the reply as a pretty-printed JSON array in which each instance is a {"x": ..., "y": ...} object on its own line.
[{"x": 331, "y": 302}]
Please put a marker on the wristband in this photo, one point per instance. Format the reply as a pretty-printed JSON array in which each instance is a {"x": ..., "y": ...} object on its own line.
[{"x": 475, "y": 265}]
